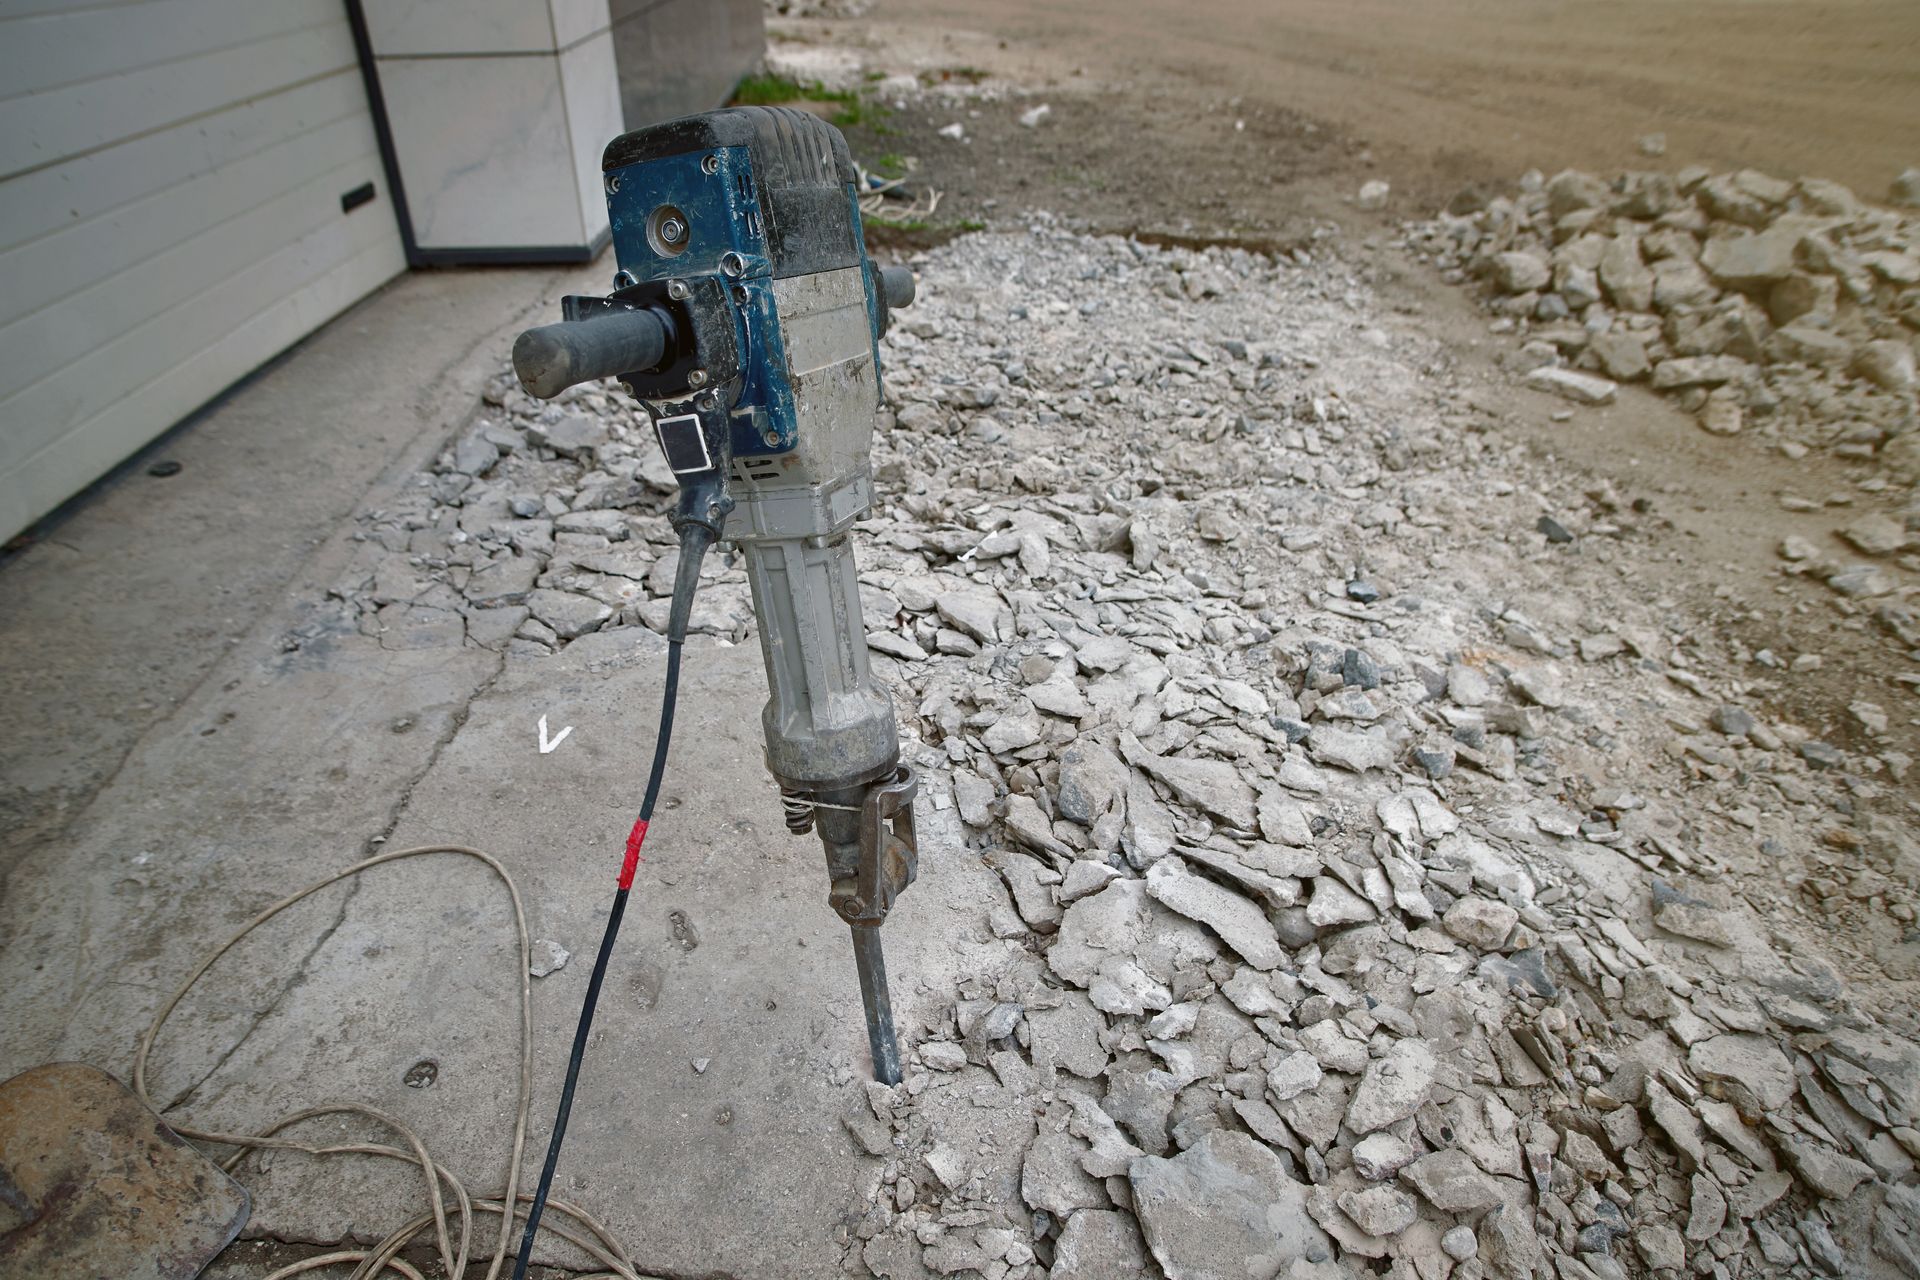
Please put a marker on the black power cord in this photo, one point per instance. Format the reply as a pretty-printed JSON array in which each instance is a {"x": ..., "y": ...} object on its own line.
[{"x": 694, "y": 541}]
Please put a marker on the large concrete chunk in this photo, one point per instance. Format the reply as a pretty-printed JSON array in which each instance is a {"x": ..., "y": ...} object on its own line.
[
  {"x": 1225, "y": 1209},
  {"x": 1830, "y": 1174},
  {"x": 1379, "y": 1211},
  {"x": 1283, "y": 819},
  {"x": 1098, "y": 928},
  {"x": 1093, "y": 783},
  {"x": 1626, "y": 278},
  {"x": 1751, "y": 261},
  {"x": 1520, "y": 272},
  {"x": 1213, "y": 785},
  {"x": 1393, "y": 1088},
  {"x": 1357, "y": 752},
  {"x": 973, "y": 610},
  {"x": 1123, "y": 948},
  {"x": 1750, "y": 1071},
  {"x": 568, "y": 614},
  {"x": 1101, "y": 1244},
  {"x": 1051, "y": 1177},
  {"x": 1581, "y": 388},
  {"x": 1452, "y": 1182},
  {"x": 1334, "y": 904},
  {"x": 1242, "y": 925}
]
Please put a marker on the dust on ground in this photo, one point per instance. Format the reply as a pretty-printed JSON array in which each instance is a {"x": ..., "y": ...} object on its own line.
[{"x": 1445, "y": 92}]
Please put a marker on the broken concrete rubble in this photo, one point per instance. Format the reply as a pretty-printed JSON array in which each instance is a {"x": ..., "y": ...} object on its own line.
[
  {"x": 1224, "y": 1209},
  {"x": 1239, "y": 922},
  {"x": 1394, "y": 1086},
  {"x": 1333, "y": 859},
  {"x": 1799, "y": 310}
]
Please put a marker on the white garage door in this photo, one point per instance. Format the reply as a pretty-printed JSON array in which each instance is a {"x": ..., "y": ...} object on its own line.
[{"x": 172, "y": 175}]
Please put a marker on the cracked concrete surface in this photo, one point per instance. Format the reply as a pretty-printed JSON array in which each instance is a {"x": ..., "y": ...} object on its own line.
[
  {"x": 728, "y": 956},
  {"x": 285, "y": 765}
]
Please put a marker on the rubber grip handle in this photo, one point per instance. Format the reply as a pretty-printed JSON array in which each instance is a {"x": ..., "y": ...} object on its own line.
[
  {"x": 896, "y": 284},
  {"x": 554, "y": 357}
]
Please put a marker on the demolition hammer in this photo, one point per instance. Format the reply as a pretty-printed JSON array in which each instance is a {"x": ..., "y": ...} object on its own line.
[{"x": 746, "y": 319}]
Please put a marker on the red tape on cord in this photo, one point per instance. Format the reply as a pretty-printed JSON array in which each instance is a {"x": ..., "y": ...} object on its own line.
[{"x": 635, "y": 838}]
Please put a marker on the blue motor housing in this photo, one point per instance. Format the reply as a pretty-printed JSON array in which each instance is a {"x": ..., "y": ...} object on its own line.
[{"x": 748, "y": 195}]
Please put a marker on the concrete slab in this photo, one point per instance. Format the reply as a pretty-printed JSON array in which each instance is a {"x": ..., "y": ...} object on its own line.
[
  {"x": 729, "y": 957},
  {"x": 119, "y": 605},
  {"x": 285, "y": 765},
  {"x": 282, "y": 766}
]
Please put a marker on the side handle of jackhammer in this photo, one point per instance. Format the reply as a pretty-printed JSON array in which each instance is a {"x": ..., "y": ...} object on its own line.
[{"x": 554, "y": 357}]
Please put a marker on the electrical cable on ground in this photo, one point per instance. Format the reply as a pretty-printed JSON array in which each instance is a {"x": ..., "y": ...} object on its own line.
[
  {"x": 694, "y": 541},
  {"x": 582, "y": 1229}
]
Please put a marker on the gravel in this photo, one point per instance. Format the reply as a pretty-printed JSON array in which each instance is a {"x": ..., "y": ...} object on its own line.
[
  {"x": 1328, "y": 796},
  {"x": 1786, "y": 310}
]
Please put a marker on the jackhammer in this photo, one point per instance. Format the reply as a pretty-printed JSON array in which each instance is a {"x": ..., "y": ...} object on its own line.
[{"x": 746, "y": 318}]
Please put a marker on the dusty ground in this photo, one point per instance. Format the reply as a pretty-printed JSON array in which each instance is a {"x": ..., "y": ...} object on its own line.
[
  {"x": 1447, "y": 92},
  {"x": 291, "y": 758}
]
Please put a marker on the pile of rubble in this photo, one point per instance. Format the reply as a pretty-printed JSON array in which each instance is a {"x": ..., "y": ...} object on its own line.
[
  {"x": 1327, "y": 958},
  {"x": 1396, "y": 879},
  {"x": 541, "y": 523},
  {"x": 816, "y": 8},
  {"x": 1789, "y": 309}
]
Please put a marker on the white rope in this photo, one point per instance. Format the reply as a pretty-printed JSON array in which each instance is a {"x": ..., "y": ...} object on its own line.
[{"x": 586, "y": 1233}]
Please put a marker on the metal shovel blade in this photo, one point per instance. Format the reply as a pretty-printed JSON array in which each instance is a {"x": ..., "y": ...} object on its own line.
[{"x": 94, "y": 1185}]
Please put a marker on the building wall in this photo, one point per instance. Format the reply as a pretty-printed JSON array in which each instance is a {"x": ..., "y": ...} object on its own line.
[
  {"x": 498, "y": 110},
  {"x": 172, "y": 175},
  {"x": 171, "y": 182},
  {"x": 681, "y": 56}
]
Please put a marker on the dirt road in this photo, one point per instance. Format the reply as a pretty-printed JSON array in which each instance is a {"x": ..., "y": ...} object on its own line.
[{"x": 1448, "y": 91}]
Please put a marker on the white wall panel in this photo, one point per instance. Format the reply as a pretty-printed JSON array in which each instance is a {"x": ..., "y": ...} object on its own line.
[
  {"x": 171, "y": 175},
  {"x": 484, "y": 150},
  {"x": 498, "y": 119},
  {"x": 590, "y": 85}
]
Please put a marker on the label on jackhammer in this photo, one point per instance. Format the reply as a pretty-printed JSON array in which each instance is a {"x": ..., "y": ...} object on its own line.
[{"x": 683, "y": 443}]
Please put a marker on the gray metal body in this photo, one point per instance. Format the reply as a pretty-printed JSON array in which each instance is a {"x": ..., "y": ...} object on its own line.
[{"x": 828, "y": 724}]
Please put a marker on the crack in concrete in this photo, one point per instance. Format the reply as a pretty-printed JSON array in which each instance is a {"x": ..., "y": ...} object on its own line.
[
  {"x": 455, "y": 723},
  {"x": 298, "y": 976},
  {"x": 395, "y": 813}
]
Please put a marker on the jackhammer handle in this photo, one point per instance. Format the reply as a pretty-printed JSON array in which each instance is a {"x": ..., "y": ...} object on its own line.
[
  {"x": 896, "y": 284},
  {"x": 554, "y": 357}
]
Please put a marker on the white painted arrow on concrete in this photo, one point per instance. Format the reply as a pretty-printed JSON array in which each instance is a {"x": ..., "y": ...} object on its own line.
[{"x": 547, "y": 745}]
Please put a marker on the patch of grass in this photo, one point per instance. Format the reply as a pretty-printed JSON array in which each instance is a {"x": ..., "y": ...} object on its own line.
[
  {"x": 891, "y": 164},
  {"x": 856, "y": 110},
  {"x": 948, "y": 229},
  {"x": 889, "y": 239},
  {"x": 768, "y": 91}
]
